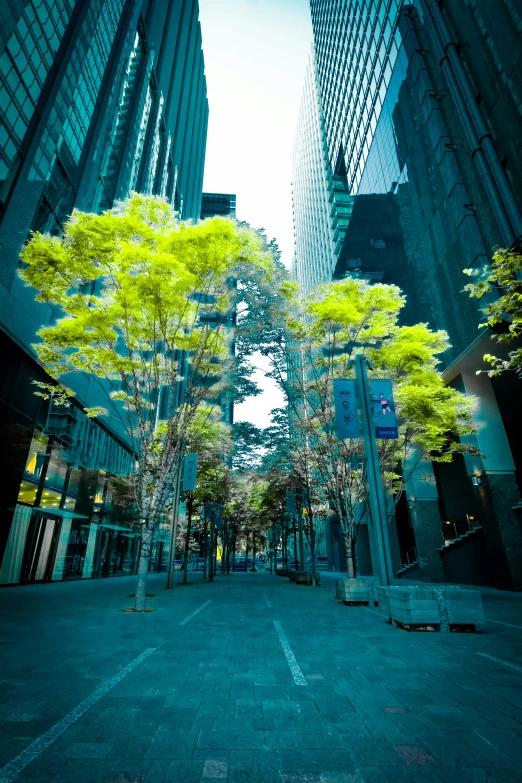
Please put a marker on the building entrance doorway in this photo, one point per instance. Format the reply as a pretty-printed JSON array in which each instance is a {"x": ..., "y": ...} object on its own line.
[{"x": 43, "y": 549}]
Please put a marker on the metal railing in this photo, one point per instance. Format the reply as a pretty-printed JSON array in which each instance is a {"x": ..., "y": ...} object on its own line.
[
  {"x": 458, "y": 526},
  {"x": 409, "y": 557}
]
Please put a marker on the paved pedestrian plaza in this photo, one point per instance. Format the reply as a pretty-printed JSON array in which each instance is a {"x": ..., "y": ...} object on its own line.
[{"x": 251, "y": 679}]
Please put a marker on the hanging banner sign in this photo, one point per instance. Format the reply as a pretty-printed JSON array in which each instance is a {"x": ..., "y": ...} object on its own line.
[
  {"x": 386, "y": 427},
  {"x": 290, "y": 502},
  {"x": 190, "y": 469},
  {"x": 345, "y": 401}
]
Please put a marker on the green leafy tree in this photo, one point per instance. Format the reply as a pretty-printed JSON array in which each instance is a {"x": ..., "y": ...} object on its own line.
[
  {"x": 249, "y": 444},
  {"x": 504, "y": 311},
  {"x": 273, "y": 490},
  {"x": 145, "y": 302},
  {"x": 323, "y": 333},
  {"x": 210, "y": 439}
]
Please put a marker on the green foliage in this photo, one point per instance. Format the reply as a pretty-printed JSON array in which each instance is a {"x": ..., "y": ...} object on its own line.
[
  {"x": 504, "y": 312},
  {"x": 249, "y": 442},
  {"x": 60, "y": 395},
  {"x": 322, "y": 335},
  {"x": 146, "y": 302}
]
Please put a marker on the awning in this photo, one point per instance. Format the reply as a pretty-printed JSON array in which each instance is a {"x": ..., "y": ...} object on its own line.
[{"x": 56, "y": 512}]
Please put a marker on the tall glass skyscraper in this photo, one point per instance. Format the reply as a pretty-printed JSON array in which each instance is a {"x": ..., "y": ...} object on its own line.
[
  {"x": 320, "y": 208},
  {"x": 98, "y": 98},
  {"x": 421, "y": 108}
]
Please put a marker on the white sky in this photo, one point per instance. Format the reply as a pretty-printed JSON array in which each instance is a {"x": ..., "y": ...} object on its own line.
[{"x": 255, "y": 59}]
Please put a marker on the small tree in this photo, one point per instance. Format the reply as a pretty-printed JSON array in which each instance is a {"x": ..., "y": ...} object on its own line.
[
  {"x": 145, "y": 302},
  {"x": 504, "y": 313},
  {"x": 249, "y": 443},
  {"x": 210, "y": 439}
]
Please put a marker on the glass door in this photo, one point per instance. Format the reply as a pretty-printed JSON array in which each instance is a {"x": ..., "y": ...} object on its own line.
[{"x": 44, "y": 548}]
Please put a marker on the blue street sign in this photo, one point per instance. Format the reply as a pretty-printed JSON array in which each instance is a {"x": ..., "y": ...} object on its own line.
[
  {"x": 345, "y": 401},
  {"x": 386, "y": 427},
  {"x": 190, "y": 469},
  {"x": 290, "y": 502}
]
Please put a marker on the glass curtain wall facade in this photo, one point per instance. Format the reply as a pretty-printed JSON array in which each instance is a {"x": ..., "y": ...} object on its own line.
[
  {"x": 319, "y": 216},
  {"x": 97, "y": 98},
  {"x": 213, "y": 204},
  {"x": 223, "y": 205},
  {"x": 423, "y": 107}
]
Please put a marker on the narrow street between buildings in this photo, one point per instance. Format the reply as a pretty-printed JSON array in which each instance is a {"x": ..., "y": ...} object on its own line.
[{"x": 251, "y": 679}]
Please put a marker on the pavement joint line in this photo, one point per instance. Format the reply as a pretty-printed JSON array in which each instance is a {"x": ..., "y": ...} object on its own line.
[
  {"x": 499, "y": 622},
  {"x": 496, "y": 660},
  {"x": 41, "y": 743},
  {"x": 267, "y": 601},
  {"x": 185, "y": 621},
  {"x": 485, "y": 740},
  {"x": 295, "y": 669}
]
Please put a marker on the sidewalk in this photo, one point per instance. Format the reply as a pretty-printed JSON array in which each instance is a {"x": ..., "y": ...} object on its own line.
[{"x": 264, "y": 681}]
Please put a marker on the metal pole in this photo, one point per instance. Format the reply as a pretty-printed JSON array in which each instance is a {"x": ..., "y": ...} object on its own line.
[
  {"x": 301, "y": 542},
  {"x": 174, "y": 526},
  {"x": 376, "y": 489},
  {"x": 295, "y": 546}
]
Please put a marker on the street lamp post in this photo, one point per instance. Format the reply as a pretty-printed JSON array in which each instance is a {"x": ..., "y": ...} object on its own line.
[
  {"x": 375, "y": 487},
  {"x": 174, "y": 526}
]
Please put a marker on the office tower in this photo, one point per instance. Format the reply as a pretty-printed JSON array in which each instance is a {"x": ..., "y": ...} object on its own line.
[
  {"x": 320, "y": 203},
  {"x": 421, "y": 107},
  {"x": 214, "y": 204},
  {"x": 223, "y": 205},
  {"x": 97, "y": 99}
]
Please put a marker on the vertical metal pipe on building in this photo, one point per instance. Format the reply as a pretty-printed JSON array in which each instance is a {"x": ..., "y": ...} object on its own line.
[
  {"x": 477, "y": 151},
  {"x": 485, "y": 140}
]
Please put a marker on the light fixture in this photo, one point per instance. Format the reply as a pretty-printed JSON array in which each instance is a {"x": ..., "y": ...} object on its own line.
[{"x": 477, "y": 480}]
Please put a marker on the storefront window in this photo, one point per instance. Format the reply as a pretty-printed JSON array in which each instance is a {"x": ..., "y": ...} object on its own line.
[
  {"x": 50, "y": 499},
  {"x": 79, "y": 552},
  {"x": 56, "y": 472},
  {"x": 72, "y": 490},
  {"x": 99, "y": 497},
  {"x": 27, "y": 493},
  {"x": 33, "y": 468}
]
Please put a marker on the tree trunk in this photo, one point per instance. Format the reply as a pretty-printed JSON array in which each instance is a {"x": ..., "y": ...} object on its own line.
[
  {"x": 205, "y": 548},
  {"x": 295, "y": 548},
  {"x": 246, "y": 555},
  {"x": 254, "y": 550},
  {"x": 350, "y": 556},
  {"x": 211, "y": 551},
  {"x": 228, "y": 559},
  {"x": 140, "y": 596},
  {"x": 313, "y": 548},
  {"x": 187, "y": 542},
  {"x": 225, "y": 547},
  {"x": 234, "y": 556}
]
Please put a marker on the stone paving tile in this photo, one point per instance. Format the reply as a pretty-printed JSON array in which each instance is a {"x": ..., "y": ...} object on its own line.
[{"x": 217, "y": 701}]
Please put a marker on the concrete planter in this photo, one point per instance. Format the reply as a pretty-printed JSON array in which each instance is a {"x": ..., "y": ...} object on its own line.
[
  {"x": 291, "y": 575},
  {"x": 358, "y": 592},
  {"x": 305, "y": 578},
  {"x": 384, "y": 602},
  {"x": 435, "y": 608}
]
